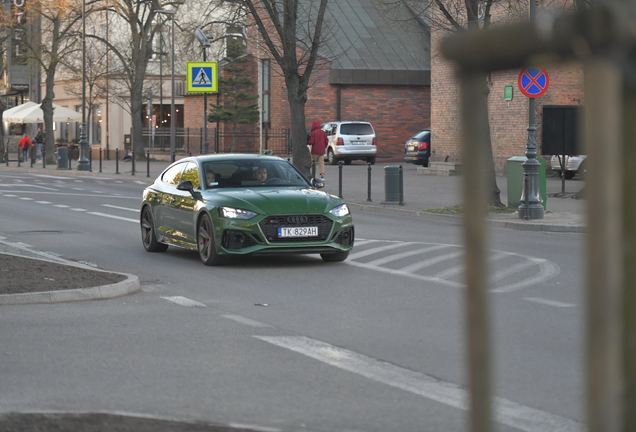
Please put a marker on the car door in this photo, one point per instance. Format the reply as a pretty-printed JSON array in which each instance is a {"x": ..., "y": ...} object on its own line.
[
  {"x": 184, "y": 205},
  {"x": 166, "y": 191}
]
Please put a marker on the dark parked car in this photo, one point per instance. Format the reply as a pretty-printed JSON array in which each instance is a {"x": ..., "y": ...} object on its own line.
[
  {"x": 226, "y": 205},
  {"x": 417, "y": 149}
]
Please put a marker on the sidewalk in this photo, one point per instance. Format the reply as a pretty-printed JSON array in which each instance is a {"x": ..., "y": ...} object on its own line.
[{"x": 421, "y": 192}]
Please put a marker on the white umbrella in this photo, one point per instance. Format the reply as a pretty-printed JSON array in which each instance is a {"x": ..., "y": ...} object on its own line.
[{"x": 33, "y": 114}]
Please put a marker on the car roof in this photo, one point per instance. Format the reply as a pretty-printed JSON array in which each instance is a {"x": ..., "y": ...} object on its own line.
[{"x": 229, "y": 157}]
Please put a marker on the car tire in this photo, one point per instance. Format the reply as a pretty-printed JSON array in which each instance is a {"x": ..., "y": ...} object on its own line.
[
  {"x": 569, "y": 175},
  {"x": 148, "y": 237},
  {"x": 371, "y": 160},
  {"x": 335, "y": 257},
  {"x": 331, "y": 157},
  {"x": 347, "y": 161},
  {"x": 205, "y": 242}
]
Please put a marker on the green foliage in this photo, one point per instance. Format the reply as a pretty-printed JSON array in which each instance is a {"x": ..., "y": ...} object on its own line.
[{"x": 237, "y": 106}]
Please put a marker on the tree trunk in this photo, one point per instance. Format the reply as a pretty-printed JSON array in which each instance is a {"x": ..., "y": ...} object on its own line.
[
  {"x": 495, "y": 198},
  {"x": 300, "y": 153},
  {"x": 47, "y": 112}
]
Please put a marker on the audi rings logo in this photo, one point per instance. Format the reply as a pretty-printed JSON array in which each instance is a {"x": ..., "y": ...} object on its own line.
[{"x": 297, "y": 219}]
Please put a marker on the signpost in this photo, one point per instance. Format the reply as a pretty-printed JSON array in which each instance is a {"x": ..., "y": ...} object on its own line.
[{"x": 533, "y": 82}]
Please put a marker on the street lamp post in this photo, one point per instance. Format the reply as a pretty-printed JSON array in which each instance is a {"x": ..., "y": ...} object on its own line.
[
  {"x": 171, "y": 12},
  {"x": 83, "y": 164},
  {"x": 205, "y": 42}
]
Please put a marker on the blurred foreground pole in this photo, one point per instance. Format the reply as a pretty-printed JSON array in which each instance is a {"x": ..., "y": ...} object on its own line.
[{"x": 474, "y": 145}]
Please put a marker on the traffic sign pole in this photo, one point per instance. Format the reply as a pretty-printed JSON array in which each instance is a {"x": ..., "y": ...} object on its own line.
[{"x": 533, "y": 82}]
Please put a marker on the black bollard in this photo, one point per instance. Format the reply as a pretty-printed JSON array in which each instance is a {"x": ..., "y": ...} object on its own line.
[
  {"x": 340, "y": 179},
  {"x": 133, "y": 162},
  {"x": 68, "y": 155},
  {"x": 369, "y": 182},
  {"x": 19, "y": 155},
  {"x": 32, "y": 151},
  {"x": 401, "y": 182},
  {"x": 313, "y": 169},
  {"x": 90, "y": 159},
  {"x": 173, "y": 156},
  {"x": 100, "y": 159},
  {"x": 43, "y": 156},
  {"x": 148, "y": 164},
  {"x": 116, "y": 161}
]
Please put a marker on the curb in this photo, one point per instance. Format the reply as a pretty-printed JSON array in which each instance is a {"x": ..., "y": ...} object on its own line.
[
  {"x": 519, "y": 225},
  {"x": 128, "y": 286}
]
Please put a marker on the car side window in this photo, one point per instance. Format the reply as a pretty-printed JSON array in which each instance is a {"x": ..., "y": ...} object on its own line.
[
  {"x": 173, "y": 174},
  {"x": 191, "y": 172}
]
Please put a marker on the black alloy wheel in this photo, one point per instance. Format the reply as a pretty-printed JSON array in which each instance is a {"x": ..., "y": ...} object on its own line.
[
  {"x": 148, "y": 237},
  {"x": 205, "y": 242}
]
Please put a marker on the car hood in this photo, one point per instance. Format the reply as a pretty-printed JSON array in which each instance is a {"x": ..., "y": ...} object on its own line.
[{"x": 272, "y": 201}]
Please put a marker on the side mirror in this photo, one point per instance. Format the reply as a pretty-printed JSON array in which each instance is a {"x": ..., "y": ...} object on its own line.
[
  {"x": 316, "y": 183},
  {"x": 185, "y": 186}
]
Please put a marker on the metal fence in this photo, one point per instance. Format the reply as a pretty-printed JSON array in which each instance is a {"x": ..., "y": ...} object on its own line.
[{"x": 191, "y": 141}]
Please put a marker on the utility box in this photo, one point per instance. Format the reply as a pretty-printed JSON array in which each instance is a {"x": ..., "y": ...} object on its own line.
[
  {"x": 515, "y": 180},
  {"x": 391, "y": 184},
  {"x": 62, "y": 157}
]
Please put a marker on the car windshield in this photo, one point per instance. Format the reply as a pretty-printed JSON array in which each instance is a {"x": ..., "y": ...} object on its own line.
[
  {"x": 251, "y": 173},
  {"x": 356, "y": 129}
]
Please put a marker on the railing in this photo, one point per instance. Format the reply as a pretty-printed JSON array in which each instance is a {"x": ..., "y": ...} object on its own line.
[{"x": 191, "y": 140}]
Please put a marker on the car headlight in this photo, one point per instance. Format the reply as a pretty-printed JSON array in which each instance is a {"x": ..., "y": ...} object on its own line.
[
  {"x": 341, "y": 210},
  {"x": 234, "y": 213}
]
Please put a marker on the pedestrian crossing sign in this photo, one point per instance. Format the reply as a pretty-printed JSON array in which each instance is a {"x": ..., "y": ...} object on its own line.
[{"x": 202, "y": 77}]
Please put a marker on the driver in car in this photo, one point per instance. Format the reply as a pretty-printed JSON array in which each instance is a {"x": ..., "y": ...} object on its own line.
[{"x": 260, "y": 174}]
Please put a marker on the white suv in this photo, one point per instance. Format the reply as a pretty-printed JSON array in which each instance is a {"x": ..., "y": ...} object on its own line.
[{"x": 350, "y": 140}]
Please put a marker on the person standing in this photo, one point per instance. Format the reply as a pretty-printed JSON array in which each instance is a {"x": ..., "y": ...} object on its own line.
[
  {"x": 24, "y": 144},
  {"x": 39, "y": 141},
  {"x": 318, "y": 141}
]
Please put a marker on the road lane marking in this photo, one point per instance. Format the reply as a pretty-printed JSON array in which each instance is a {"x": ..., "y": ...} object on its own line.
[
  {"x": 406, "y": 254},
  {"x": 507, "y": 412},
  {"x": 184, "y": 301},
  {"x": 429, "y": 262},
  {"x": 407, "y": 274},
  {"x": 78, "y": 209},
  {"x": 43, "y": 202},
  {"x": 113, "y": 217},
  {"x": 121, "y": 208},
  {"x": 61, "y": 206},
  {"x": 247, "y": 321},
  {"x": 377, "y": 250},
  {"x": 549, "y": 302}
]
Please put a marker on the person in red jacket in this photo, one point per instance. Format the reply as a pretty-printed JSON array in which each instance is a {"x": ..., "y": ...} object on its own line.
[
  {"x": 24, "y": 144},
  {"x": 318, "y": 141}
]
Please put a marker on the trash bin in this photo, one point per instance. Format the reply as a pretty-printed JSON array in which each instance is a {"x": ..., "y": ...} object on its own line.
[
  {"x": 62, "y": 157},
  {"x": 391, "y": 184},
  {"x": 515, "y": 180}
]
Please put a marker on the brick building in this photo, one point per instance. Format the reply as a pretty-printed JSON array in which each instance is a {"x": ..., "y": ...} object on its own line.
[
  {"x": 373, "y": 68},
  {"x": 508, "y": 119}
]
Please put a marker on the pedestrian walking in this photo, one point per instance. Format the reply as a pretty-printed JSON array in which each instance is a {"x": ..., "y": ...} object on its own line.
[
  {"x": 25, "y": 144},
  {"x": 38, "y": 140},
  {"x": 318, "y": 142}
]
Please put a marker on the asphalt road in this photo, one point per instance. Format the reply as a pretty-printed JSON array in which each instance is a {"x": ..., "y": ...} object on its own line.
[{"x": 288, "y": 343}]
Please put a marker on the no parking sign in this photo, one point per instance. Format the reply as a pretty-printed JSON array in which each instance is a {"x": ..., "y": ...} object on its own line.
[{"x": 533, "y": 82}]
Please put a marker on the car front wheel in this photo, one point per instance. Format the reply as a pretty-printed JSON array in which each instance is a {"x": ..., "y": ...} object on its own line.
[
  {"x": 205, "y": 242},
  {"x": 148, "y": 237}
]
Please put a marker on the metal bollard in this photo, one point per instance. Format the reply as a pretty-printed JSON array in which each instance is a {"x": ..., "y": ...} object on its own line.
[
  {"x": 33, "y": 152},
  {"x": 133, "y": 162},
  {"x": 173, "y": 156},
  {"x": 43, "y": 156},
  {"x": 90, "y": 159},
  {"x": 100, "y": 159},
  {"x": 68, "y": 154},
  {"x": 340, "y": 179},
  {"x": 6, "y": 155},
  {"x": 148, "y": 164},
  {"x": 313, "y": 169},
  {"x": 116, "y": 161},
  {"x": 401, "y": 176},
  {"x": 369, "y": 182}
]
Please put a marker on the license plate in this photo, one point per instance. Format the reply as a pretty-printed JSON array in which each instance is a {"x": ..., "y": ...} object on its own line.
[
  {"x": 413, "y": 148},
  {"x": 358, "y": 142},
  {"x": 298, "y": 232}
]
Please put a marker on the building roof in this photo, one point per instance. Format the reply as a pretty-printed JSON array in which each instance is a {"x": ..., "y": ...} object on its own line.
[{"x": 369, "y": 46}]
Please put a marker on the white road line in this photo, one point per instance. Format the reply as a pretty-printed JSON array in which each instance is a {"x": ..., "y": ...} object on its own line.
[
  {"x": 43, "y": 202},
  {"x": 547, "y": 270},
  {"x": 121, "y": 208},
  {"x": 377, "y": 250},
  {"x": 78, "y": 210},
  {"x": 429, "y": 262},
  {"x": 401, "y": 255},
  {"x": 511, "y": 270},
  {"x": 10, "y": 196},
  {"x": 407, "y": 274},
  {"x": 113, "y": 217},
  {"x": 184, "y": 301},
  {"x": 247, "y": 321},
  {"x": 507, "y": 412},
  {"x": 549, "y": 302},
  {"x": 26, "y": 199},
  {"x": 61, "y": 206}
]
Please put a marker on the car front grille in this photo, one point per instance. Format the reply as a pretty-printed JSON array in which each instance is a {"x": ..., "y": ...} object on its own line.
[{"x": 270, "y": 226}]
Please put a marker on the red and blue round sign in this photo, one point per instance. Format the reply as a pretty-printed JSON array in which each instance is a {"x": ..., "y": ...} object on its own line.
[{"x": 533, "y": 82}]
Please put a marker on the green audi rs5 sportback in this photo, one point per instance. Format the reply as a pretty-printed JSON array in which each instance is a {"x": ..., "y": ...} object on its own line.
[{"x": 237, "y": 204}]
